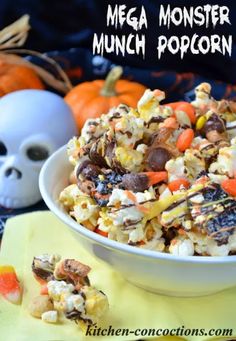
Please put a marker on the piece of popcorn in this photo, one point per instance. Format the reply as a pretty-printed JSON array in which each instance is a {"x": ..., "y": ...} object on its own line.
[
  {"x": 46, "y": 262},
  {"x": 50, "y": 316},
  {"x": 181, "y": 247},
  {"x": 194, "y": 164},
  {"x": 92, "y": 129},
  {"x": 142, "y": 148},
  {"x": 105, "y": 223},
  {"x": 73, "y": 149},
  {"x": 131, "y": 213},
  {"x": 96, "y": 303},
  {"x": 148, "y": 105},
  {"x": 175, "y": 169},
  {"x": 129, "y": 159},
  {"x": 226, "y": 162},
  {"x": 202, "y": 96},
  {"x": 74, "y": 302},
  {"x": 57, "y": 289},
  {"x": 84, "y": 209},
  {"x": 69, "y": 195},
  {"x": 137, "y": 234},
  {"x": 217, "y": 178},
  {"x": 217, "y": 250},
  {"x": 128, "y": 130}
]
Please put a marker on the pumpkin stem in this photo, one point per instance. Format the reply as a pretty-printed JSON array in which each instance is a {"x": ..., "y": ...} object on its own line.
[{"x": 113, "y": 76}]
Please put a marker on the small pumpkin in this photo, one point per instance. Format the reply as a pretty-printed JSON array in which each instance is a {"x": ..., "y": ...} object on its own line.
[
  {"x": 17, "y": 73},
  {"x": 15, "y": 77},
  {"x": 92, "y": 99}
]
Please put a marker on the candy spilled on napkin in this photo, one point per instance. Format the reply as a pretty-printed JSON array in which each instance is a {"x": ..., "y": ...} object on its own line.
[{"x": 9, "y": 284}]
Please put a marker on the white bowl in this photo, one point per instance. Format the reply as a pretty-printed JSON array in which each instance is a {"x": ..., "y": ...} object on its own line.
[{"x": 154, "y": 271}]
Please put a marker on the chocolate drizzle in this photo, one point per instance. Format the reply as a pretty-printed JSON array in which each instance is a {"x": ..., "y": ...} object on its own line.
[
  {"x": 43, "y": 274},
  {"x": 155, "y": 119}
]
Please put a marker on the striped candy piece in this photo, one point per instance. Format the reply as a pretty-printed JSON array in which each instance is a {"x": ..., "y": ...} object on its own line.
[{"x": 9, "y": 284}]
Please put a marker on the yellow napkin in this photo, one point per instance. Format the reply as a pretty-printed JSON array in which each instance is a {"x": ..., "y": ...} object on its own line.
[{"x": 130, "y": 307}]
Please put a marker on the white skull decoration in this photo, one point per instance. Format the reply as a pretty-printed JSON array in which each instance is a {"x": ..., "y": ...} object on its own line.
[{"x": 33, "y": 124}]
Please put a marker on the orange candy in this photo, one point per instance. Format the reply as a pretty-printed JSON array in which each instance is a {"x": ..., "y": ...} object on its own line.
[
  {"x": 189, "y": 110},
  {"x": 40, "y": 280},
  {"x": 174, "y": 105},
  {"x": 229, "y": 186},
  {"x": 141, "y": 242},
  {"x": 176, "y": 184},
  {"x": 170, "y": 122},
  {"x": 186, "y": 107},
  {"x": 102, "y": 233},
  {"x": 44, "y": 290},
  {"x": 155, "y": 177},
  {"x": 9, "y": 284},
  {"x": 185, "y": 139}
]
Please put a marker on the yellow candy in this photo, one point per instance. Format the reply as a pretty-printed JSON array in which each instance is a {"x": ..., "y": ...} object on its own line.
[{"x": 200, "y": 122}]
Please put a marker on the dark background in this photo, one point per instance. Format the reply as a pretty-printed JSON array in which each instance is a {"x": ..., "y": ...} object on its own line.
[{"x": 62, "y": 24}]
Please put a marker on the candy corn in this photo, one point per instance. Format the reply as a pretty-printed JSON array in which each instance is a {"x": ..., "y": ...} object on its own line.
[
  {"x": 189, "y": 110},
  {"x": 229, "y": 186},
  {"x": 185, "y": 139},
  {"x": 176, "y": 184},
  {"x": 9, "y": 284},
  {"x": 156, "y": 177}
]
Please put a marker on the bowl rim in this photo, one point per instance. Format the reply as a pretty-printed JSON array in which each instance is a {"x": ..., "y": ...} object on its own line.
[{"x": 109, "y": 243}]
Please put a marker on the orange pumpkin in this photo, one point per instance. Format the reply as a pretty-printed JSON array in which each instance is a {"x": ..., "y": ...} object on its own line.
[
  {"x": 92, "y": 99},
  {"x": 17, "y": 77}
]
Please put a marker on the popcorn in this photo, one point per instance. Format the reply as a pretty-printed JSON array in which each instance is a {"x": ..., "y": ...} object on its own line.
[
  {"x": 70, "y": 294},
  {"x": 129, "y": 159},
  {"x": 176, "y": 168},
  {"x": 182, "y": 247},
  {"x": 69, "y": 195},
  {"x": 152, "y": 237},
  {"x": 59, "y": 289},
  {"x": 149, "y": 105},
  {"x": 187, "y": 166},
  {"x": 50, "y": 316},
  {"x": 194, "y": 164},
  {"x": 73, "y": 148},
  {"x": 142, "y": 148},
  {"x": 84, "y": 209},
  {"x": 129, "y": 212},
  {"x": 44, "y": 265},
  {"x": 91, "y": 130},
  {"x": 217, "y": 178},
  {"x": 96, "y": 304},
  {"x": 203, "y": 99},
  {"x": 226, "y": 162},
  {"x": 105, "y": 223},
  {"x": 129, "y": 130},
  {"x": 137, "y": 234},
  {"x": 125, "y": 163},
  {"x": 81, "y": 206},
  {"x": 74, "y": 302}
]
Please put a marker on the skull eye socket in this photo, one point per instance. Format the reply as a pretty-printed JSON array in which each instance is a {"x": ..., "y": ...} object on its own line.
[
  {"x": 3, "y": 149},
  {"x": 37, "y": 153}
]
